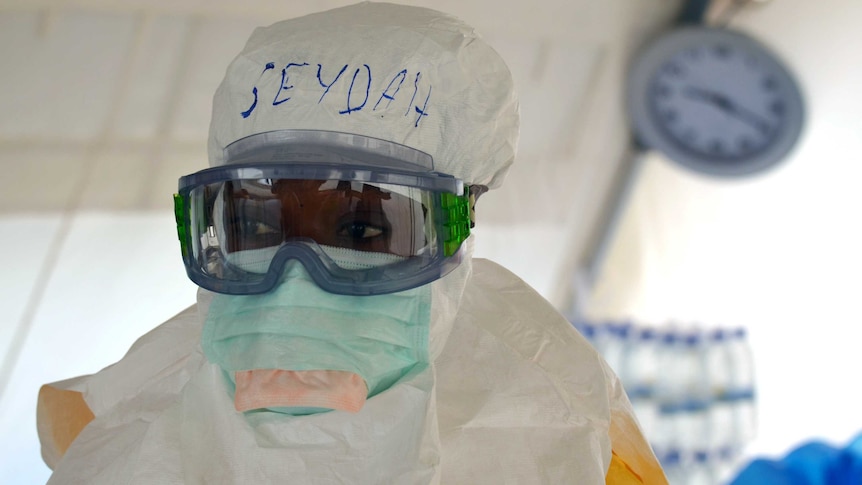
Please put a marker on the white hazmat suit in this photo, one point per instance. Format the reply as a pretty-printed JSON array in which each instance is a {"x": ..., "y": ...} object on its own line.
[{"x": 513, "y": 394}]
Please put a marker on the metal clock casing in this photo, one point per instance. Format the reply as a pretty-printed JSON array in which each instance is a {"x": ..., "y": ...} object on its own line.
[{"x": 715, "y": 101}]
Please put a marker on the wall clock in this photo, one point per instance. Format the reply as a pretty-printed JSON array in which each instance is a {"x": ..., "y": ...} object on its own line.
[{"x": 715, "y": 101}]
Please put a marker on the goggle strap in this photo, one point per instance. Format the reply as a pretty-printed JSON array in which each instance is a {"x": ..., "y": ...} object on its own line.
[
  {"x": 473, "y": 194},
  {"x": 457, "y": 219}
]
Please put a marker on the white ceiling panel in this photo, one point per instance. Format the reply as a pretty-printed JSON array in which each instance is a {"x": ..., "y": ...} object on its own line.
[
  {"x": 40, "y": 177},
  {"x": 152, "y": 66},
  {"x": 60, "y": 72},
  {"x": 541, "y": 19},
  {"x": 176, "y": 160},
  {"x": 212, "y": 43}
]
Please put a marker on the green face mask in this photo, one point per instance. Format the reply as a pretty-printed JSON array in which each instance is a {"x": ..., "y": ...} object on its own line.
[{"x": 299, "y": 327}]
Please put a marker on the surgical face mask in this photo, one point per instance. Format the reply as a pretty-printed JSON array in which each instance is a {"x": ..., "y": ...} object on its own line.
[
  {"x": 300, "y": 327},
  {"x": 310, "y": 200}
]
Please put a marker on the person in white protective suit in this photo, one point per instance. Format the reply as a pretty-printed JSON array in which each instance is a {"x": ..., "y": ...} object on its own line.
[{"x": 343, "y": 333}]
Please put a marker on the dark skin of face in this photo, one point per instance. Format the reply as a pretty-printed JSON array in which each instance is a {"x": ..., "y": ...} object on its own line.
[{"x": 354, "y": 216}]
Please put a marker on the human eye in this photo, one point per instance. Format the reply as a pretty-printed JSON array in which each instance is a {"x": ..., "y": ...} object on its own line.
[
  {"x": 360, "y": 231},
  {"x": 258, "y": 228},
  {"x": 255, "y": 225},
  {"x": 252, "y": 233}
]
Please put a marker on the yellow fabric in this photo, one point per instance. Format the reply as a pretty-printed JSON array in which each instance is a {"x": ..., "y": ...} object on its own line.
[
  {"x": 632, "y": 460},
  {"x": 60, "y": 416},
  {"x": 619, "y": 473}
]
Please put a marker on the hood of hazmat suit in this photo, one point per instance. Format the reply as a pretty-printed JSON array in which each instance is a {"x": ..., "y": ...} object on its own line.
[{"x": 509, "y": 392}]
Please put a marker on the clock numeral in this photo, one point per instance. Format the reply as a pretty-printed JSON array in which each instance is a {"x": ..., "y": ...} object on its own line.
[
  {"x": 674, "y": 70},
  {"x": 670, "y": 115},
  {"x": 769, "y": 83},
  {"x": 777, "y": 108},
  {"x": 663, "y": 90},
  {"x": 721, "y": 51}
]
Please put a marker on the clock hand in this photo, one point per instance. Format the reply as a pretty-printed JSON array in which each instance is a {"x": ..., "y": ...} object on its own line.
[
  {"x": 728, "y": 106},
  {"x": 701, "y": 94},
  {"x": 751, "y": 117}
]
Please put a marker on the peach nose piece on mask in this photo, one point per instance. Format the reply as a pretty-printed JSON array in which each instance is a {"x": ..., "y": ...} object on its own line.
[{"x": 330, "y": 389}]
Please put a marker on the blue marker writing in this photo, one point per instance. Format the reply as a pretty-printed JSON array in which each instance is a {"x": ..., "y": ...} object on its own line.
[
  {"x": 415, "y": 90},
  {"x": 422, "y": 112},
  {"x": 247, "y": 113},
  {"x": 327, "y": 86},
  {"x": 284, "y": 78},
  {"x": 284, "y": 93},
  {"x": 367, "y": 89},
  {"x": 391, "y": 97}
]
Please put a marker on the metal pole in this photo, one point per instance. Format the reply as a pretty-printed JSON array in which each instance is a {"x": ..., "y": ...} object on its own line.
[
  {"x": 588, "y": 271},
  {"x": 693, "y": 12}
]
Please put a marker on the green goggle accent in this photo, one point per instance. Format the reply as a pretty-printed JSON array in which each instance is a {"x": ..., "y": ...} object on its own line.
[
  {"x": 457, "y": 219},
  {"x": 182, "y": 218}
]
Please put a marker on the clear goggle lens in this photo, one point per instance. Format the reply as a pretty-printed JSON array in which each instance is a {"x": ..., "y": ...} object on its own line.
[
  {"x": 374, "y": 218},
  {"x": 354, "y": 237}
]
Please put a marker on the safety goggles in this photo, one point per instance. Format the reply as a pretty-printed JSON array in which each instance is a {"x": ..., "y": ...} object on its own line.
[{"x": 363, "y": 216}]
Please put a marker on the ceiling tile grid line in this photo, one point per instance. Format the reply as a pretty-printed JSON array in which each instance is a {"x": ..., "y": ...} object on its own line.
[
  {"x": 168, "y": 112},
  {"x": 60, "y": 81},
  {"x": 556, "y": 19},
  {"x": 192, "y": 127},
  {"x": 144, "y": 110}
]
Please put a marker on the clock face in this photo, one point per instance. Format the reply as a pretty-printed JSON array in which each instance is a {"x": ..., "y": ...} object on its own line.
[{"x": 714, "y": 101}]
